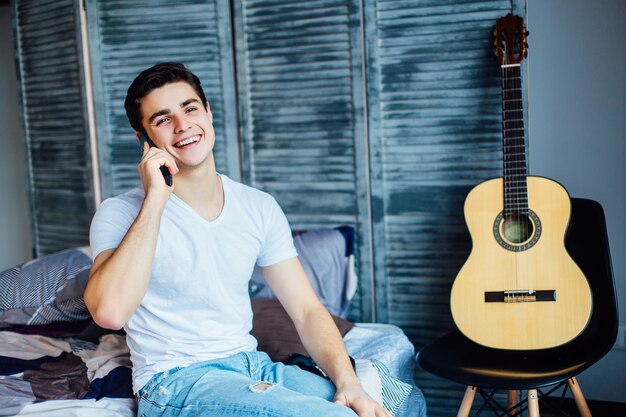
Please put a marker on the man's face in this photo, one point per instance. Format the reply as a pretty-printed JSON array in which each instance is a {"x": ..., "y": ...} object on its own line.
[{"x": 178, "y": 123}]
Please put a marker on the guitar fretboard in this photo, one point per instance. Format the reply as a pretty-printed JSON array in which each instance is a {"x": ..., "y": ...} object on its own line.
[{"x": 514, "y": 149}]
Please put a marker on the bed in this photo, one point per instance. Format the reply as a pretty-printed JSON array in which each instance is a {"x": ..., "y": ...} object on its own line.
[{"x": 54, "y": 361}]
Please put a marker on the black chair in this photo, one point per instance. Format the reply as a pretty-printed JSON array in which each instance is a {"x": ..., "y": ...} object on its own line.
[{"x": 486, "y": 370}]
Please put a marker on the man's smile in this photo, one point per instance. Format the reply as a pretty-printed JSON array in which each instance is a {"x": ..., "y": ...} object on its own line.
[{"x": 187, "y": 141}]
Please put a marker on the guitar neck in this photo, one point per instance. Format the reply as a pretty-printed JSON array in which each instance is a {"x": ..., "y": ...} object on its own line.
[{"x": 514, "y": 149}]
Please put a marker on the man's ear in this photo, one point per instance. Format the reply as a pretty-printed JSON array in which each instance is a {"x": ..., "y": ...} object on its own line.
[
  {"x": 208, "y": 110},
  {"x": 138, "y": 135}
]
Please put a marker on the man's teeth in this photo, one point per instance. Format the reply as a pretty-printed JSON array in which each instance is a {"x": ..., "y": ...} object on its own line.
[{"x": 187, "y": 141}]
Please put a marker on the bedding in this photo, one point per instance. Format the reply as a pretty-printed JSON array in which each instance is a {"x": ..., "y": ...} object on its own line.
[
  {"x": 54, "y": 361},
  {"x": 65, "y": 376},
  {"x": 327, "y": 256},
  {"x": 36, "y": 368},
  {"x": 45, "y": 290},
  {"x": 275, "y": 332}
]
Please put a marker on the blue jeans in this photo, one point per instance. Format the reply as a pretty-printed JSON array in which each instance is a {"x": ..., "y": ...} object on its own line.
[{"x": 245, "y": 384}]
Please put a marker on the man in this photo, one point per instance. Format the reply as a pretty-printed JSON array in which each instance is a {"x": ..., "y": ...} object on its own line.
[{"x": 172, "y": 265}]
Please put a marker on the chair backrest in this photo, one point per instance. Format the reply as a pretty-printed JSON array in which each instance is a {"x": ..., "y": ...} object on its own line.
[{"x": 587, "y": 243}]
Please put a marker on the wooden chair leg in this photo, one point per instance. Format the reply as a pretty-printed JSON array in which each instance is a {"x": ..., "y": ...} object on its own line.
[
  {"x": 579, "y": 398},
  {"x": 466, "y": 404},
  {"x": 512, "y": 402},
  {"x": 533, "y": 403}
]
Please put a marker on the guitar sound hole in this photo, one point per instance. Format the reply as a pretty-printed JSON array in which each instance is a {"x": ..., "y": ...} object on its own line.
[
  {"x": 517, "y": 228},
  {"x": 517, "y": 232}
]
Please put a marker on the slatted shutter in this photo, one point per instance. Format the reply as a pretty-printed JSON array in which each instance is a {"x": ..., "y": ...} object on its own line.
[
  {"x": 301, "y": 96},
  {"x": 128, "y": 37},
  {"x": 50, "y": 72},
  {"x": 307, "y": 73},
  {"x": 435, "y": 132}
]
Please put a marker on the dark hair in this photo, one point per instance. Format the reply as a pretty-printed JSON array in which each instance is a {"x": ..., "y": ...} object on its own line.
[{"x": 153, "y": 78}]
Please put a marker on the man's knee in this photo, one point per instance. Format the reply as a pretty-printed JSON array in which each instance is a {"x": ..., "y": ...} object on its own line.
[{"x": 261, "y": 386}]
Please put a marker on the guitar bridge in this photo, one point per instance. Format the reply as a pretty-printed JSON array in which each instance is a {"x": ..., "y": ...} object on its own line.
[{"x": 519, "y": 296}]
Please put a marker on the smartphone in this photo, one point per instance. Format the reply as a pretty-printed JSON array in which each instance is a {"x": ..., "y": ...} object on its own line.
[{"x": 166, "y": 172}]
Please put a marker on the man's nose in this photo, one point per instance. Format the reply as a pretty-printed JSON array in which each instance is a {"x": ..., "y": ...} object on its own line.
[{"x": 181, "y": 124}]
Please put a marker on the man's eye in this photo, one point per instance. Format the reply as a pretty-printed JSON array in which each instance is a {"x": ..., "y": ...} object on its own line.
[
  {"x": 190, "y": 109},
  {"x": 161, "y": 121}
]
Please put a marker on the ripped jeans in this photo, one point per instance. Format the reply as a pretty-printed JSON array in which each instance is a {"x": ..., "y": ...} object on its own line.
[{"x": 245, "y": 384}]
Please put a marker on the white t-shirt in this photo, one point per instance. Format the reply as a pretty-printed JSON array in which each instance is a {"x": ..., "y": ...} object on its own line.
[{"x": 197, "y": 305}]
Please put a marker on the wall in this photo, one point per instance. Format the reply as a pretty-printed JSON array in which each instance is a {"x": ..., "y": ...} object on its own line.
[
  {"x": 577, "y": 130},
  {"x": 15, "y": 245}
]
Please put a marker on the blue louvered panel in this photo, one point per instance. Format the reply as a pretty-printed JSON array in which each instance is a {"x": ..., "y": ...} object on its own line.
[
  {"x": 422, "y": 245},
  {"x": 127, "y": 37},
  {"x": 435, "y": 132},
  {"x": 439, "y": 103},
  {"x": 50, "y": 75},
  {"x": 301, "y": 90}
]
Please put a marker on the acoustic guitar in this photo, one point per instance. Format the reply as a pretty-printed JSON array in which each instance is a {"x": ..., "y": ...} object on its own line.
[{"x": 519, "y": 289}]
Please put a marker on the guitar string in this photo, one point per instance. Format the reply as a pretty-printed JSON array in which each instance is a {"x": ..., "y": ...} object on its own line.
[
  {"x": 508, "y": 212},
  {"x": 524, "y": 192},
  {"x": 516, "y": 186},
  {"x": 517, "y": 193},
  {"x": 521, "y": 193}
]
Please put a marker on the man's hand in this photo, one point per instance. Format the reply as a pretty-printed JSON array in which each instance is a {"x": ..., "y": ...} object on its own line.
[
  {"x": 358, "y": 400},
  {"x": 152, "y": 160}
]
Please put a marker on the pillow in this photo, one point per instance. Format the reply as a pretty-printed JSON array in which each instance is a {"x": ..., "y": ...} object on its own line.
[
  {"x": 46, "y": 289},
  {"x": 277, "y": 336},
  {"x": 381, "y": 385},
  {"x": 327, "y": 257}
]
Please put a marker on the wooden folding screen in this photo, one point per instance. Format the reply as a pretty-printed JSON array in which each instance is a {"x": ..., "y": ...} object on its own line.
[
  {"x": 380, "y": 114},
  {"x": 301, "y": 91}
]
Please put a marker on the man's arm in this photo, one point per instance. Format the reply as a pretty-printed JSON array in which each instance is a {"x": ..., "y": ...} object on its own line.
[
  {"x": 119, "y": 277},
  {"x": 320, "y": 335}
]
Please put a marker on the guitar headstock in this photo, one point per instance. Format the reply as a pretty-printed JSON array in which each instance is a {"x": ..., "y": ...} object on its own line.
[{"x": 510, "y": 40}]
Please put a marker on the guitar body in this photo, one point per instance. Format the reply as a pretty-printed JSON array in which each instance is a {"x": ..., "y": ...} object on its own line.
[{"x": 514, "y": 273}]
